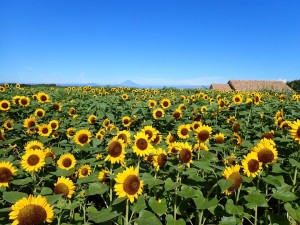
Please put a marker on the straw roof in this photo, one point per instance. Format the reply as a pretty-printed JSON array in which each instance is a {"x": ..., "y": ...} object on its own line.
[
  {"x": 259, "y": 85},
  {"x": 221, "y": 87}
]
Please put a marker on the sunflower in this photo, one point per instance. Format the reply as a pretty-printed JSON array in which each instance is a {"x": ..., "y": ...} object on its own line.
[
  {"x": 219, "y": 138},
  {"x": 39, "y": 112},
  {"x": 99, "y": 135},
  {"x": 232, "y": 173},
  {"x": 230, "y": 119},
  {"x": 182, "y": 106},
  {"x": 157, "y": 139},
  {"x": 266, "y": 151},
  {"x": 251, "y": 165},
  {"x": 183, "y": 131},
  {"x": 257, "y": 98},
  {"x": 64, "y": 186},
  {"x": 236, "y": 126},
  {"x": 124, "y": 97},
  {"x": 71, "y": 111},
  {"x": 30, "y": 123},
  {"x": 200, "y": 146},
  {"x": 7, "y": 171},
  {"x": 84, "y": 171},
  {"x": 128, "y": 184},
  {"x": 126, "y": 120},
  {"x": 92, "y": 119},
  {"x": 54, "y": 124},
  {"x": 202, "y": 133},
  {"x": 2, "y": 89},
  {"x": 31, "y": 210},
  {"x": 82, "y": 137},
  {"x": 43, "y": 97},
  {"x": 8, "y": 124},
  {"x": 116, "y": 151},
  {"x": 152, "y": 104},
  {"x": 24, "y": 101},
  {"x": 165, "y": 103},
  {"x": 56, "y": 106},
  {"x": 159, "y": 159},
  {"x": 268, "y": 135},
  {"x": 66, "y": 161},
  {"x": 177, "y": 114},
  {"x": 104, "y": 176},
  {"x": 237, "y": 99},
  {"x": 195, "y": 125},
  {"x": 142, "y": 147},
  {"x": 295, "y": 130},
  {"x": 17, "y": 86},
  {"x": 2, "y": 138},
  {"x": 230, "y": 160},
  {"x": 16, "y": 99},
  {"x": 170, "y": 138},
  {"x": 33, "y": 160},
  {"x": 150, "y": 132},
  {"x": 45, "y": 130},
  {"x": 34, "y": 145},
  {"x": 70, "y": 132},
  {"x": 125, "y": 136},
  {"x": 158, "y": 113},
  {"x": 185, "y": 154},
  {"x": 4, "y": 105},
  {"x": 48, "y": 153},
  {"x": 106, "y": 122}
]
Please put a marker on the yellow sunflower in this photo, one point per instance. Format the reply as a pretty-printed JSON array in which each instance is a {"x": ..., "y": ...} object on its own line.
[
  {"x": 116, "y": 151},
  {"x": 152, "y": 104},
  {"x": 31, "y": 210},
  {"x": 24, "y": 101},
  {"x": 16, "y": 99},
  {"x": 70, "y": 132},
  {"x": 4, "y": 105},
  {"x": 170, "y": 138},
  {"x": 48, "y": 153},
  {"x": 157, "y": 139},
  {"x": 34, "y": 145},
  {"x": 165, "y": 103},
  {"x": 183, "y": 131},
  {"x": 150, "y": 132},
  {"x": 125, "y": 136},
  {"x": 45, "y": 130},
  {"x": 295, "y": 130},
  {"x": 82, "y": 137},
  {"x": 232, "y": 173},
  {"x": 42, "y": 97},
  {"x": 142, "y": 147},
  {"x": 230, "y": 160},
  {"x": 124, "y": 97},
  {"x": 128, "y": 184},
  {"x": 71, "y": 111},
  {"x": 251, "y": 165},
  {"x": 106, "y": 122},
  {"x": 30, "y": 123},
  {"x": 39, "y": 112},
  {"x": 84, "y": 171},
  {"x": 92, "y": 119},
  {"x": 7, "y": 171},
  {"x": 266, "y": 151},
  {"x": 185, "y": 154},
  {"x": 177, "y": 114},
  {"x": 237, "y": 99},
  {"x": 159, "y": 159},
  {"x": 2, "y": 138},
  {"x": 104, "y": 176},
  {"x": 33, "y": 160},
  {"x": 195, "y": 125},
  {"x": 56, "y": 106},
  {"x": 219, "y": 138},
  {"x": 54, "y": 124},
  {"x": 9, "y": 124},
  {"x": 126, "y": 121},
  {"x": 203, "y": 109},
  {"x": 66, "y": 161},
  {"x": 64, "y": 186},
  {"x": 203, "y": 132},
  {"x": 158, "y": 113},
  {"x": 2, "y": 89}
]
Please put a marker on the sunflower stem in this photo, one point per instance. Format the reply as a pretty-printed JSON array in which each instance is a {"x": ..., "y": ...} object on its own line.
[
  {"x": 200, "y": 217},
  {"x": 175, "y": 197},
  {"x": 238, "y": 194},
  {"x": 127, "y": 212},
  {"x": 110, "y": 185},
  {"x": 255, "y": 216}
]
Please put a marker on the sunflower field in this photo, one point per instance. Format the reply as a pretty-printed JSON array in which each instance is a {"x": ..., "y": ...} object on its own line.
[{"x": 117, "y": 155}]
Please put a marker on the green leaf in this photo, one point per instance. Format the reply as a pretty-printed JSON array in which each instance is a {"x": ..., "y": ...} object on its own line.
[
  {"x": 256, "y": 199},
  {"x": 46, "y": 191},
  {"x": 170, "y": 185},
  {"x": 52, "y": 199},
  {"x": 204, "y": 203},
  {"x": 5, "y": 210},
  {"x": 283, "y": 193},
  {"x": 224, "y": 184},
  {"x": 147, "y": 218},
  {"x": 172, "y": 221},
  {"x": 295, "y": 213},
  {"x": 158, "y": 206},
  {"x": 110, "y": 116},
  {"x": 96, "y": 188},
  {"x": 57, "y": 151},
  {"x": 202, "y": 165},
  {"x": 139, "y": 205},
  {"x": 91, "y": 178},
  {"x": 293, "y": 162},
  {"x": 233, "y": 209},
  {"x": 279, "y": 220},
  {"x": 103, "y": 215},
  {"x": 24, "y": 181},
  {"x": 228, "y": 220},
  {"x": 274, "y": 180},
  {"x": 64, "y": 173},
  {"x": 13, "y": 196},
  {"x": 187, "y": 192}
]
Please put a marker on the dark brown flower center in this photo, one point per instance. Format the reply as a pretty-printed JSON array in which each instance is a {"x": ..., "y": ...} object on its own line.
[
  {"x": 123, "y": 137},
  {"x": 24, "y": 101},
  {"x": 93, "y": 120},
  {"x": 152, "y": 104},
  {"x": 61, "y": 188},
  {"x": 265, "y": 155},
  {"x": 203, "y": 135},
  {"x": 142, "y": 144},
  {"x": 33, "y": 160},
  {"x": 158, "y": 113},
  {"x": 40, "y": 113},
  {"x": 55, "y": 106},
  {"x": 165, "y": 103},
  {"x": 84, "y": 171},
  {"x": 236, "y": 127},
  {"x": 8, "y": 124},
  {"x": 43, "y": 98},
  {"x": 36, "y": 147},
  {"x": 5, "y": 174},
  {"x": 149, "y": 133},
  {"x": 71, "y": 132},
  {"x": 268, "y": 135},
  {"x": 115, "y": 149},
  {"x": 31, "y": 123},
  {"x": 126, "y": 121},
  {"x": 32, "y": 215},
  {"x": 67, "y": 162},
  {"x": 4, "y": 105},
  {"x": 50, "y": 154},
  {"x": 221, "y": 104},
  {"x": 237, "y": 178},
  {"x": 184, "y": 131},
  {"x": 185, "y": 155},
  {"x": 53, "y": 125},
  {"x": 219, "y": 139},
  {"x": 156, "y": 139},
  {"x": 45, "y": 130},
  {"x": 196, "y": 125},
  {"x": 83, "y": 138},
  {"x": 298, "y": 131},
  {"x": 176, "y": 115},
  {"x": 172, "y": 139},
  {"x": 161, "y": 159},
  {"x": 131, "y": 184},
  {"x": 253, "y": 165},
  {"x": 237, "y": 99}
]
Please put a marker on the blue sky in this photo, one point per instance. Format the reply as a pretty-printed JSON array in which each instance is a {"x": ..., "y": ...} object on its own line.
[{"x": 149, "y": 41}]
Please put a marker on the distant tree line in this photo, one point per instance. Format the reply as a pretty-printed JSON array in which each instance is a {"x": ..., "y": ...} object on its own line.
[{"x": 295, "y": 85}]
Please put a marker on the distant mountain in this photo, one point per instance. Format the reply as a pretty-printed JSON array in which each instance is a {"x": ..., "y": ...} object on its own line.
[{"x": 129, "y": 83}]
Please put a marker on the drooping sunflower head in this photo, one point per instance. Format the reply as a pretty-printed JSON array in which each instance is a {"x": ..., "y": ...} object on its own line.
[
  {"x": 54, "y": 124},
  {"x": 82, "y": 137},
  {"x": 125, "y": 136},
  {"x": 7, "y": 171},
  {"x": 34, "y": 145},
  {"x": 126, "y": 121},
  {"x": 33, "y": 160},
  {"x": 219, "y": 138},
  {"x": 45, "y": 130},
  {"x": 268, "y": 135},
  {"x": 150, "y": 132},
  {"x": 31, "y": 210},
  {"x": 104, "y": 176},
  {"x": 266, "y": 151},
  {"x": 203, "y": 133},
  {"x": 128, "y": 184},
  {"x": 236, "y": 126},
  {"x": 159, "y": 159},
  {"x": 251, "y": 165},
  {"x": 165, "y": 103},
  {"x": 295, "y": 130},
  {"x": 66, "y": 161},
  {"x": 170, "y": 138},
  {"x": 4, "y": 105},
  {"x": 72, "y": 111},
  {"x": 116, "y": 151},
  {"x": 9, "y": 124},
  {"x": 232, "y": 173},
  {"x": 142, "y": 146},
  {"x": 92, "y": 119},
  {"x": 39, "y": 112},
  {"x": 106, "y": 123},
  {"x": 64, "y": 186},
  {"x": 42, "y": 97},
  {"x": 84, "y": 171},
  {"x": 185, "y": 154},
  {"x": 158, "y": 113}
]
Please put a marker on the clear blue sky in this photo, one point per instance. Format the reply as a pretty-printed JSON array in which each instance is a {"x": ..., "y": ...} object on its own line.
[{"x": 148, "y": 41}]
